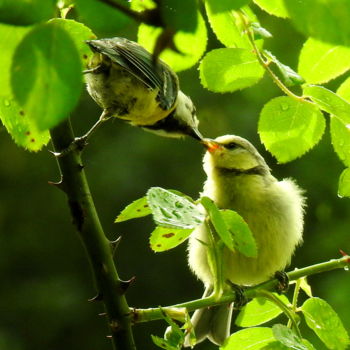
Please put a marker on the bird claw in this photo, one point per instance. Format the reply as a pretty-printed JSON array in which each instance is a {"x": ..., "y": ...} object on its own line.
[
  {"x": 240, "y": 299},
  {"x": 283, "y": 282}
]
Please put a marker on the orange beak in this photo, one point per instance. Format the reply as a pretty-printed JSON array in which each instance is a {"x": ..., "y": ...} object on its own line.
[{"x": 211, "y": 145}]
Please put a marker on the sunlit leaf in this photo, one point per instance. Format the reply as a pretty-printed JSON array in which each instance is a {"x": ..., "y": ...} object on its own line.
[
  {"x": 344, "y": 184},
  {"x": 227, "y": 24},
  {"x": 44, "y": 82},
  {"x": 165, "y": 238},
  {"x": 258, "y": 311},
  {"x": 229, "y": 69},
  {"x": 79, "y": 33},
  {"x": 171, "y": 210},
  {"x": 329, "y": 102},
  {"x": 324, "y": 20},
  {"x": 243, "y": 239},
  {"x": 273, "y": 7},
  {"x": 320, "y": 62},
  {"x": 325, "y": 322},
  {"x": 289, "y": 128},
  {"x": 136, "y": 209},
  {"x": 256, "y": 338},
  {"x": 190, "y": 44},
  {"x": 218, "y": 222},
  {"x": 21, "y": 129}
]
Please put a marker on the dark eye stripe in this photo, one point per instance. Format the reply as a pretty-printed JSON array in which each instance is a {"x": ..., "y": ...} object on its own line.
[{"x": 231, "y": 145}]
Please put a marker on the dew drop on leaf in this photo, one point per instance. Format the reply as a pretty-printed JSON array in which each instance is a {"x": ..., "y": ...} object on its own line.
[{"x": 284, "y": 106}]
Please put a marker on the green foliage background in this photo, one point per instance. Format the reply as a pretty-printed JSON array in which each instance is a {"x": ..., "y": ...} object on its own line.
[{"x": 45, "y": 281}]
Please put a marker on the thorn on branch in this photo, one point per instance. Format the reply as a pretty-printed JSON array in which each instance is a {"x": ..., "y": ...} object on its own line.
[
  {"x": 60, "y": 185},
  {"x": 97, "y": 297},
  {"x": 124, "y": 285},
  {"x": 115, "y": 244}
]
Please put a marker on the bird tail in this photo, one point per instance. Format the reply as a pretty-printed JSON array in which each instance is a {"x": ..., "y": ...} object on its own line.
[{"x": 213, "y": 323}]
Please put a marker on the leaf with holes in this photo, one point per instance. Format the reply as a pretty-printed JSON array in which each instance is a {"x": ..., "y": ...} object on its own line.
[
  {"x": 165, "y": 238},
  {"x": 136, "y": 209}
]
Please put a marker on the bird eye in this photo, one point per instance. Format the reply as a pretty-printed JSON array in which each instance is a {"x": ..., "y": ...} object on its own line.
[{"x": 231, "y": 145}]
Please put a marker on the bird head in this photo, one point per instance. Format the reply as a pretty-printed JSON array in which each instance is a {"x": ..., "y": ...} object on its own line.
[{"x": 231, "y": 152}]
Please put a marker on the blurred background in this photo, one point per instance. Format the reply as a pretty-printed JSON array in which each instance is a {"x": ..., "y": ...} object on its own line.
[{"x": 45, "y": 276}]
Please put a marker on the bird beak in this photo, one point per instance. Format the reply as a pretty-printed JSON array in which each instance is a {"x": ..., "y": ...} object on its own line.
[{"x": 211, "y": 145}]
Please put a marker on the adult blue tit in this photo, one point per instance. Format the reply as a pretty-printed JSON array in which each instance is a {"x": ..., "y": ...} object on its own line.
[
  {"x": 125, "y": 80},
  {"x": 239, "y": 179}
]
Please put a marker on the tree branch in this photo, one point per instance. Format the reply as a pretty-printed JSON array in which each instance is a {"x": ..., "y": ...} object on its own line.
[
  {"x": 151, "y": 17},
  {"x": 178, "y": 311},
  {"x": 85, "y": 218}
]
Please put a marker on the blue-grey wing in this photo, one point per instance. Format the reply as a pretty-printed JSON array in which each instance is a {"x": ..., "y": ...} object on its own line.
[{"x": 138, "y": 62}]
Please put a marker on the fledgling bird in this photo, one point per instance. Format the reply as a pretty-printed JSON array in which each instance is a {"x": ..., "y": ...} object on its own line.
[
  {"x": 123, "y": 78},
  {"x": 238, "y": 178}
]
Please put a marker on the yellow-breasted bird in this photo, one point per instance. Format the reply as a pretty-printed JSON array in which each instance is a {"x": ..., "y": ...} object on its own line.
[
  {"x": 124, "y": 79},
  {"x": 239, "y": 179}
]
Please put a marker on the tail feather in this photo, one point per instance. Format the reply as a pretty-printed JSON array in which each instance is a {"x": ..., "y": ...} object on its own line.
[{"x": 213, "y": 323}]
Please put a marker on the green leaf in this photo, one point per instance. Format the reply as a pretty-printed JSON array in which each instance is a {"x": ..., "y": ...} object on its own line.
[
  {"x": 344, "y": 184},
  {"x": 340, "y": 132},
  {"x": 101, "y": 17},
  {"x": 162, "y": 343},
  {"x": 141, "y": 5},
  {"x": 44, "y": 82},
  {"x": 329, "y": 102},
  {"x": 287, "y": 337},
  {"x": 218, "y": 222},
  {"x": 136, "y": 209},
  {"x": 304, "y": 285},
  {"x": 79, "y": 33},
  {"x": 171, "y": 210},
  {"x": 243, "y": 239},
  {"x": 10, "y": 37},
  {"x": 191, "y": 45},
  {"x": 227, "y": 24},
  {"x": 324, "y": 20},
  {"x": 22, "y": 129},
  {"x": 325, "y": 322},
  {"x": 225, "y": 5},
  {"x": 290, "y": 78},
  {"x": 289, "y": 128},
  {"x": 340, "y": 135},
  {"x": 273, "y": 7},
  {"x": 256, "y": 338},
  {"x": 228, "y": 70},
  {"x": 165, "y": 238},
  {"x": 258, "y": 311},
  {"x": 24, "y": 12},
  {"x": 320, "y": 62}
]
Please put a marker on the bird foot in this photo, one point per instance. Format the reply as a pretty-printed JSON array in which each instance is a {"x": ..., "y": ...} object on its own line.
[{"x": 283, "y": 282}]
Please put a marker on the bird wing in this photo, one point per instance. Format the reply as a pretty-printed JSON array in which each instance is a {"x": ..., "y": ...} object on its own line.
[{"x": 139, "y": 62}]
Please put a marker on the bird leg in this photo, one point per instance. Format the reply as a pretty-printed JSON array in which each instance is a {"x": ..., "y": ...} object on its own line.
[{"x": 80, "y": 143}]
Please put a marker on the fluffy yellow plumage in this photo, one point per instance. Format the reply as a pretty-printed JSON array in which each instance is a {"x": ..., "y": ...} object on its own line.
[{"x": 239, "y": 179}]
